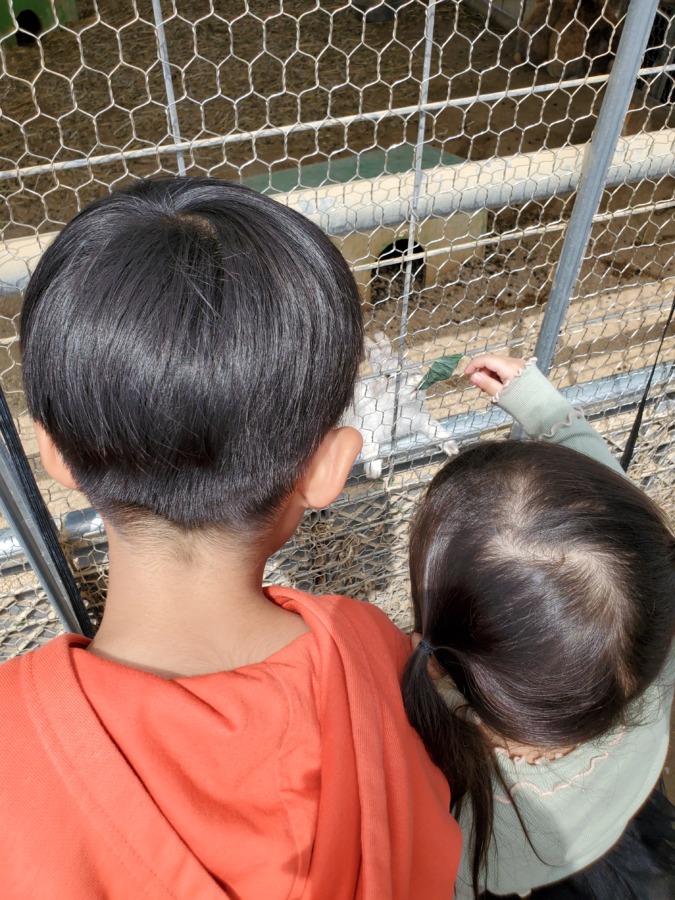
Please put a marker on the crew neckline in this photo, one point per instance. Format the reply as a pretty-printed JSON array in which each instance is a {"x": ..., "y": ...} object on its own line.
[{"x": 81, "y": 652}]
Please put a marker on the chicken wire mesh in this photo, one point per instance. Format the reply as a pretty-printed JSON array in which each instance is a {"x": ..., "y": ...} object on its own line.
[{"x": 439, "y": 143}]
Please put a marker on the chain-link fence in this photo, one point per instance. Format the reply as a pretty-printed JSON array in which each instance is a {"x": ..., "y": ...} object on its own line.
[{"x": 441, "y": 144}]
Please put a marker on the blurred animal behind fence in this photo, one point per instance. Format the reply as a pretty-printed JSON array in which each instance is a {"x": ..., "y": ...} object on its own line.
[
  {"x": 375, "y": 404},
  {"x": 571, "y": 37},
  {"x": 358, "y": 546}
]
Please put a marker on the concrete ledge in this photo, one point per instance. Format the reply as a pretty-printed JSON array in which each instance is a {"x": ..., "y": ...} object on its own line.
[{"x": 367, "y": 204}]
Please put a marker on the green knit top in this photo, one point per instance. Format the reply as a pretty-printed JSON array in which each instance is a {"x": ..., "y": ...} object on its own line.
[{"x": 575, "y": 807}]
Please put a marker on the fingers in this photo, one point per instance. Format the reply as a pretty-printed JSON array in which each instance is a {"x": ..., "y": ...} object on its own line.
[
  {"x": 504, "y": 367},
  {"x": 491, "y": 373},
  {"x": 487, "y": 383}
]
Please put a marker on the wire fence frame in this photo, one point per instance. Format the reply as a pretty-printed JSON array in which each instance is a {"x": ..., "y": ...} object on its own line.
[{"x": 595, "y": 167}]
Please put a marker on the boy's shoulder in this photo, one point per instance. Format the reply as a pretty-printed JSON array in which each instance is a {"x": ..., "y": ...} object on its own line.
[
  {"x": 22, "y": 676},
  {"x": 33, "y": 688},
  {"x": 11, "y": 675},
  {"x": 14, "y": 674},
  {"x": 359, "y": 624}
]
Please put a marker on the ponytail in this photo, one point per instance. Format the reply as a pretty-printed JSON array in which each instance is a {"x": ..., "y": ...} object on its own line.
[{"x": 458, "y": 747}]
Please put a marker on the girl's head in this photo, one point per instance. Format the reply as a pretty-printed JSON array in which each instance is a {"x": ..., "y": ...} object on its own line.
[{"x": 546, "y": 581}]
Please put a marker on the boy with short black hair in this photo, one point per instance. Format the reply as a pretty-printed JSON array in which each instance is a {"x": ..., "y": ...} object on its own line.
[{"x": 189, "y": 349}]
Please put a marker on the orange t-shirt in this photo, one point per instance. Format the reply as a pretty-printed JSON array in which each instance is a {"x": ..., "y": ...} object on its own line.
[{"x": 298, "y": 777}]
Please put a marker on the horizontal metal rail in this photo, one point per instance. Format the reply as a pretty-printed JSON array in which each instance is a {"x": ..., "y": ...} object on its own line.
[
  {"x": 500, "y": 182},
  {"x": 620, "y": 393},
  {"x": 514, "y": 235},
  {"x": 181, "y": 147},
  {"x": 366, "y": 204},
  {"x": 21, "y": 254},
  {"x": 16, "y": 510}
]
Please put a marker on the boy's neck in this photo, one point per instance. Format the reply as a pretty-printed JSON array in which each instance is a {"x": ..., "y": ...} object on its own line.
[{"x": 189, "y": 613}]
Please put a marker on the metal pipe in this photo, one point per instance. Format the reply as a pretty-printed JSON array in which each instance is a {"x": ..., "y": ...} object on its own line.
[
  {"x": 620, "y": 392},
  {"x": 299, "y": 127},
  {"x": 172, "y": 111},
  {"x": 466, "y": 187},
  {"x": 595, "y": 172},
  {"x": 16, "y": 265},
  {"x": 504, "y": 237},
  {"x": 16, "y": 511}
]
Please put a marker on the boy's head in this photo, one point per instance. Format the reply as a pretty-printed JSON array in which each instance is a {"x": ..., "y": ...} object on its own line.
[{"x": 187, "y": 345}]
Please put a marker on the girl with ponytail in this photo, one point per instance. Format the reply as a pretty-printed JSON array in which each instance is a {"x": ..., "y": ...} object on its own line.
[{"x": 541, "y": 683}]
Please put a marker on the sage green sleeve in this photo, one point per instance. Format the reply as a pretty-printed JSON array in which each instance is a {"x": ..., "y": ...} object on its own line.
[{"x": 544, "y": 414}]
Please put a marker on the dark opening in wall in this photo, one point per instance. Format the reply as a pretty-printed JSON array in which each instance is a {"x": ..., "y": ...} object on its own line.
[
  {"x": 393, "y": 275},
  {"x": 29, "y": 27}
]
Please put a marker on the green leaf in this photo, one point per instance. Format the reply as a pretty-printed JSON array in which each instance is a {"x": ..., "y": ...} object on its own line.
[{"x": 441, "y": 369}]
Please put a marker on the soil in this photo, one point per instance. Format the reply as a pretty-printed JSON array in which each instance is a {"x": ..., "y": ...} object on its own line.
[{"x": 95, "y": 87}]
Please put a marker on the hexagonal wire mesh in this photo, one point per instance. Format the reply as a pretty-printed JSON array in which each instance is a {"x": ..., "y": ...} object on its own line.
[{"x": 439, "y": 143}]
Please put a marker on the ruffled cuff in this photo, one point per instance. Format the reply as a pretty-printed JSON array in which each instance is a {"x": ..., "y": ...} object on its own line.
[
  {"x": 535, "y": 404},
  {"x": 530, "y": 362}
]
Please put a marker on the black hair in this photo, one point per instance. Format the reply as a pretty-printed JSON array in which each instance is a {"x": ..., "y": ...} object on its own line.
[
  {"x": 545, "y": 581},
  {"x": 187, "y": 343}
]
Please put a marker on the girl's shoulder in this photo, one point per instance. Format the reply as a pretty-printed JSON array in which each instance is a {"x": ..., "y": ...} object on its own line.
[
  {"x": 577, "y": 807},
  {"x": 631, "y": 754}
]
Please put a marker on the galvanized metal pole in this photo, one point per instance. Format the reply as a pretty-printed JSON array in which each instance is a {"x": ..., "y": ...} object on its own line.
[
  {"x": 413, "y": 220},
  {"x": 163, "y": 51},
  {"x": 18, "y": 514},
  {"x": 417, "y": 166},
  {"x": 634, "y": 37}
]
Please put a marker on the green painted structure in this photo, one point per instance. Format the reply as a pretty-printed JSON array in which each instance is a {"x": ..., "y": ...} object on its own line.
[
  {"x": 343, "y": 169},
  {"x": 48, "y": 13}
]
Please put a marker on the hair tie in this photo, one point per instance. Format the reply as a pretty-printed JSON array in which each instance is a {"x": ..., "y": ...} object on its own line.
[{"x": 426, "y": 648}]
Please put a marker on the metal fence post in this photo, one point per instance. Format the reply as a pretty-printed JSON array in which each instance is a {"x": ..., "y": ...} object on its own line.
[
  {"x": 163, "y": 52},
  {"x": 595, "y": 165},
  {"x": 17, "y": 512},
  {"x": 417, "y": 186}
]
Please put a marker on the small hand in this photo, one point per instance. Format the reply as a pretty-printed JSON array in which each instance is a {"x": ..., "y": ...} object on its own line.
[{"x": 492, "y": 373}]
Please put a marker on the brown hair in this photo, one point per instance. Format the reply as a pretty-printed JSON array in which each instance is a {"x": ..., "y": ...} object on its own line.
[{"x": 545, "y": 582}]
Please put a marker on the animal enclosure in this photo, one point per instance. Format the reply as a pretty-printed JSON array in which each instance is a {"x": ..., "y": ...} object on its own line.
[{"x": 444, "y": 146}]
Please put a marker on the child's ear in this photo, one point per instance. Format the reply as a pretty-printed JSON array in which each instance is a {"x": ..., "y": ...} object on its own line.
[
  {"x": 54, "y": 464},
  {"x": 330, "y": 466}
]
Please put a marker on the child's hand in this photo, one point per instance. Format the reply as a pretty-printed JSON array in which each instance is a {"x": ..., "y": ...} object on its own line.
[{"x": 492, "y": 373}]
